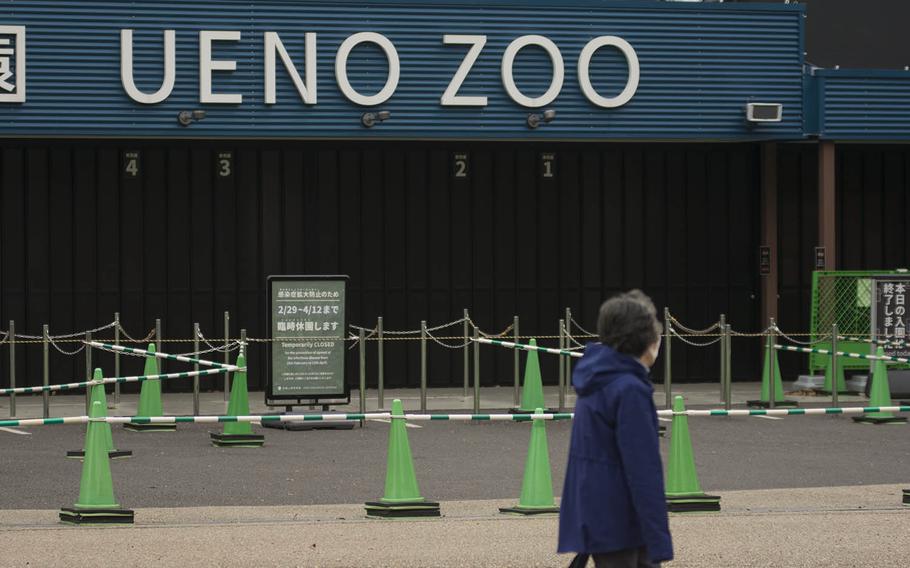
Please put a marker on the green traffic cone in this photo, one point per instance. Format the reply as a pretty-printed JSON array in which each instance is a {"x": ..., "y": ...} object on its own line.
[
  {"x": 238, "y": 434},
  {"x": 402, "y": 495},
  {"x": 684, "y": 494},
  {"x": 96, "y": 503},
  {"x": 841, "y": 379},
  {"x": 150, "y": 398},
  {"x": 99, "y": 395},
  {"x": 779, "y": 400},
  {"x": 532, "y": 387},
  {"x": 537, "y": 485},
  {"x": 880, "y": 395}
]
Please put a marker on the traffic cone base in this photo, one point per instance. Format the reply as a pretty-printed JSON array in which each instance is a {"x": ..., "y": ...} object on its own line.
[
  {"x": 237, "y": 440},
  {"x": 906, "y": 496},
  {"x": 871, "y": 419},
  {"x": 142, "y": 427},
  {"x": 386, "y": 510},
  {"x": 112, "y": 454},
  {"x": 519, "y": 510},
  {"x": 693, "y": 503},
  {"x": 94, "y": 516},
  {"x": 777, "y": 403}
]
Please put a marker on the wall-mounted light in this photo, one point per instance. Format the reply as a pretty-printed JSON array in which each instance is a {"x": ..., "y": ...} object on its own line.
[
  {"x": 534, "y": 120},
  {"x": 369, "y": 119},
  {"x": 188, "y": 117}
]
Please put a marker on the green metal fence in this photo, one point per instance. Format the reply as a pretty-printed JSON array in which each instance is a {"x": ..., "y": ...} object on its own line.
[{"x": 842, "y": 297}]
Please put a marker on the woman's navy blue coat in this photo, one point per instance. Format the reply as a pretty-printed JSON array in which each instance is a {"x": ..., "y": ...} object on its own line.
[{"x": 613, "y": 497}]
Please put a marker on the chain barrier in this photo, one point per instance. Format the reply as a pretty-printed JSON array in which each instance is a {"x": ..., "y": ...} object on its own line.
[
  {"x": 131, "y": 339},
  {"x": 446, "y": 345},
  {"x": 587, "y": 333},
  {"x": 705, "y": 331},
  {"x": 716, "y": 339},
  {"x": 568, "y": 335},
  {"x": 234, "y": 345},
  {"x": 502, "y": 333},
  {"x": 822, "y": 339},
  {"x": 61, "y": 350}
]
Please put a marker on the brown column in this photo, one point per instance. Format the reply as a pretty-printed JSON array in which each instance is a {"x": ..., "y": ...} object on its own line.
[
  {"x": 827, "y": 204},
  {"x": 769, "y": 231}
]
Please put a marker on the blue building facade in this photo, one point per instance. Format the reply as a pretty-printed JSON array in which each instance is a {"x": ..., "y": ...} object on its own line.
[{"x": 511, "y": 157}]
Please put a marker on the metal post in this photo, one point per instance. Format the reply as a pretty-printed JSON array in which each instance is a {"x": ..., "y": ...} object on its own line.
[
  {"x": 196, "y": 368},
  {"x": 242, "y": 349},
  {"x": 227, "y": 361},
  {"x": 516, "y": 363},
  {"x": 423, "y": 365},
  {"x": 476, "y": 372},
  {"x": 668, "y": 365},
  {"x": 562, "y": 367},
  {"x": 362, "y": 351},
  {"x": 380, "y": 362},
  {"x": 158, "y": 346},
  {"x": 723, "y": 358},
  {"x": 88, "y": 372},
  {"x": 116, "y": 358},
  {"x": 728, "y": 336},
  {"x": 46, "y": 369},
  {"x": 563, "y": 344},
  {"x": 12, "y": 369},
  {"x": 772, "y": 357},
  {"x": 834, "y": 393},
  {"x": 467, "y": 352},
  {"x": 566, "y": 361}
]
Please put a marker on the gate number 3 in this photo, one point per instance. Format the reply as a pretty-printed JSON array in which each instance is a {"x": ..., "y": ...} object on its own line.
[{"x": 225, "y": 164}]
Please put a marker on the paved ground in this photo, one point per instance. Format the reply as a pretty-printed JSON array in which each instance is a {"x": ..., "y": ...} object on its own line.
[{"x": 295, "y": 502}]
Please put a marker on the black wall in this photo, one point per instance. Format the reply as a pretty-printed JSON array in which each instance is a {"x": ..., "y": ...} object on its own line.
[{"x": 80, "y": 240}]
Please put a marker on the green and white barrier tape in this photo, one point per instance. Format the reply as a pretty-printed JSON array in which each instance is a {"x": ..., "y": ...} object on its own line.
[
  {"x": 525, "y": 347},
  {"x": 427, "y": 417},
  {"x": 842, "y": 354},
  {"x": 110, "y": 380},
  {"x": 159, "y": 355}
]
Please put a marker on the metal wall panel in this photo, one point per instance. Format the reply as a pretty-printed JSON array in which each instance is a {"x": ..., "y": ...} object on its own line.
[
  {"x": 81, "y": 240},
  {"x": 863, "y": 105},
  {"x": 700, "y": 65}
]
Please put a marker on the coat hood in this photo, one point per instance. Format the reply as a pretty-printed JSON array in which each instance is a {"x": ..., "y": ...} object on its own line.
[{"x": 600, "y": 365}]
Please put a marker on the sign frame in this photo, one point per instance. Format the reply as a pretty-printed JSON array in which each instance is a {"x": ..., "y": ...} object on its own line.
[
  {"x": 319, "y": 399},
  {"x": 877, "y": 282}
]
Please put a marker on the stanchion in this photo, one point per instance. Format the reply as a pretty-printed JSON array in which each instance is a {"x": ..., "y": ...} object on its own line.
[
  {"x": 668, "y": 366},
  {"x": 46, "y": 371},
  {"x": 380, "y": 364},
  {"x": 362, "y": 359},
  {"x": 723, "y": 359},
  {"x": 566, "y": 362},
  {"x": 88, "y": 370},
  {"x": 834, "y": 367},
  {"x": 728, "y": 335},
  {"x": 116, "y": 358},
  {"x": 476, "y": 372},
  {"x": 196, "y": 368},
  {"x": 467, "y": 351},
  {"x": 516, "y": 364},
  {"x": 423, "y": 365},
  {"x": 227, "y": 356},
  {"x": 563, "y": 344},
  {"x": 12, "y": 369}
]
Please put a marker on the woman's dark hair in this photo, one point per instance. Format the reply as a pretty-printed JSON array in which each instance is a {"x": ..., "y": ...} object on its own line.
[{"x": 628, "y": 323}]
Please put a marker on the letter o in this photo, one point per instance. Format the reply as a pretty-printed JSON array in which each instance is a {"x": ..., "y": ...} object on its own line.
[
  {"x": 508, "y": 59},
  {"x": 341, "y": 68},
  {"x": 584, "y": 78}
]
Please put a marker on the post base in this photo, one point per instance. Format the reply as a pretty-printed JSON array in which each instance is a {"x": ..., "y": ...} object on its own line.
[
  {"x": 112, "y": 454},
  {"x": 661, "y": 431},
  {"x": 880, "y": 419},
  {"x": 693, "y": 503},
  {"x": 906, "y": 496},
  {"x": 767, "y": 404},
  {"x": 237, "y": 440},
  {"x": 515, "y": 410},
  {"x": 143, "y": 427},
  {"x": 405, "y": 509},
  {"x": 519, "y": 510},
  {"x": 79, "y": 516}
]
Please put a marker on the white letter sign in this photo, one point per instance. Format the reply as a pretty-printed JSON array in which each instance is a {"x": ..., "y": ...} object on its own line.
[
  {"x": 12, "y": 78},
  {"x": 584, "y": 78},
  {"x": 307, "y": 90},
  {"x": 451, "y": 97},
  {"x": 207, "y": 65},
  {"x": 341, "y": 68},
  {"x": 126, "y": 69},
  {"x": 508, "y": 58}
]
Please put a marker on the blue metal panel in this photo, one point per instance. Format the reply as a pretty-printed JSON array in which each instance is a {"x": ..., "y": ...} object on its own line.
[
  {"x": 700, "y": 65},
  {"x": 864, "y": 104}
]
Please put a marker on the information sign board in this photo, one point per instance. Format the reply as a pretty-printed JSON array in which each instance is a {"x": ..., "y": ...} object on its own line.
[
  {"x": 889, "y": 314},
  {"x": 307, "y": 324}
]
